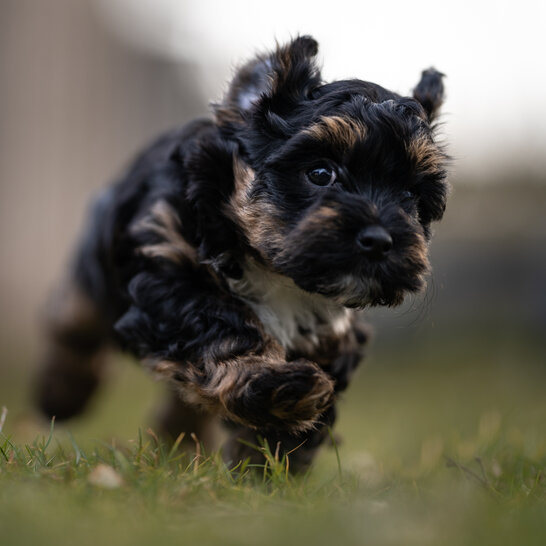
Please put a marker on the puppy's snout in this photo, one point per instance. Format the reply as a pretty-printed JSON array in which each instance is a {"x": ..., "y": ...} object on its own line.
[{"x": 374, "y": 241}]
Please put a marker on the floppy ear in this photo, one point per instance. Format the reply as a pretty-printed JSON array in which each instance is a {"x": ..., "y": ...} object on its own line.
[
  {"x": 430, "y": 92},
  {"x": 274, "y": 82}
]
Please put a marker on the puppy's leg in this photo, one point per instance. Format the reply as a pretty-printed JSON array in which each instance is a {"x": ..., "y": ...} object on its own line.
[
  {"x": 300, "y": 449},
  {"x": 78, "y": 327},
  {"x": 176, "y": 417},
  {"x": 212, "y": 348},
  {"x": 74, "y": 358},
  {"x": 339, "y": 358},
  {"x": 254, "y": 390}
]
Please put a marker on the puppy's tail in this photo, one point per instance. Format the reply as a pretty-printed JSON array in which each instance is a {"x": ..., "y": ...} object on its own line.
[{"x": 74, "y": 358}]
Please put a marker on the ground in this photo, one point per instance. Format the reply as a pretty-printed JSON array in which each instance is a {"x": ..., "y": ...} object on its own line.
[{"x": 442, "y": 440}]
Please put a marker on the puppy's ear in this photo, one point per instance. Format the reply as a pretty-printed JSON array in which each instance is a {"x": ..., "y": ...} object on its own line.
[
  {"x": 281, "y": 79},
  {"x": 430, "y": 92}
]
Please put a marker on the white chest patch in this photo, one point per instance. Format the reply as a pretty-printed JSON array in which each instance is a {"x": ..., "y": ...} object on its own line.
[{"x": 296, "y": 318}]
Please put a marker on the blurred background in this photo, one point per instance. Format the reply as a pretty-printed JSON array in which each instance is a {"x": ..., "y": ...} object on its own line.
[{"x": 85, "y": 84}]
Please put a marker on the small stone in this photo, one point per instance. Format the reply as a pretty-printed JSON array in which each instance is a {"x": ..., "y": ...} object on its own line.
[{"x": 106, "y": 477}]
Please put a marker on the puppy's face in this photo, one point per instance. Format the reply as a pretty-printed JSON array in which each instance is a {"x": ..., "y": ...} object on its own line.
[{"x": 336, "y": 184}]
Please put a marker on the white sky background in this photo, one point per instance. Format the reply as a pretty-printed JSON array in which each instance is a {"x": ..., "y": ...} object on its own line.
[{"x": 493, "y": 53}]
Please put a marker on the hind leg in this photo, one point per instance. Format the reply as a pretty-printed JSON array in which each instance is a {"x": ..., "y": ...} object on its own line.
[
  {"x": 78, "y": 324},
  {"x": 176, "y": 417},
  {"x": 74, "y": 357}
]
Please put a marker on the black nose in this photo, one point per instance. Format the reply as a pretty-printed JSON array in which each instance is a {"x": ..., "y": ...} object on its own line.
[{"x": 374, "y": 241}]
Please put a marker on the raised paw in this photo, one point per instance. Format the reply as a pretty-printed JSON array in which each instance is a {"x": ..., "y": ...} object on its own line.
[{"x": 290, "y": 397}]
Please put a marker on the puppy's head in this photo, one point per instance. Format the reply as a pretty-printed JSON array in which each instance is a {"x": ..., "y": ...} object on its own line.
[{"x": 336, "y": 184}]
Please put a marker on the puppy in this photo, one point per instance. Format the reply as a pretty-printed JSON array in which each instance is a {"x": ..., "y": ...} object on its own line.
[{"x": 233, "y": 256}]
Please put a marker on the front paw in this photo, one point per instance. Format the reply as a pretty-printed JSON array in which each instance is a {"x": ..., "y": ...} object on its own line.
[{"x": 290, "y": 397}]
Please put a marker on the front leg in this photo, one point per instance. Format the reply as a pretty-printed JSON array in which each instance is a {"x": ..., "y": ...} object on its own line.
[
  {"x": 260, "y": 391},
  {"x": 300, "y": 448},
  {"x": 338, "y": 356},
  {"x": 190, "y": 331}
]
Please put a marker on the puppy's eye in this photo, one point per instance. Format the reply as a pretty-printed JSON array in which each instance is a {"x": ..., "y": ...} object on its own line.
[
  {"x": 408, "y": 194},
  {"x": 321, "y": 176}
]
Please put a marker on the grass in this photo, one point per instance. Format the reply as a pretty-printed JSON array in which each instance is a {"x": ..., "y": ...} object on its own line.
[{"x": 434, "y": 452}]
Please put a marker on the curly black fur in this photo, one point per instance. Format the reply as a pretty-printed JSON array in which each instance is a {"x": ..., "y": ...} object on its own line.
[{"x": 230, "y": 255}]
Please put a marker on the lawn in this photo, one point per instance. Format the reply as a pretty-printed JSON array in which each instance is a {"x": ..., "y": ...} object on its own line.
[{"x": 443, "y": 441}]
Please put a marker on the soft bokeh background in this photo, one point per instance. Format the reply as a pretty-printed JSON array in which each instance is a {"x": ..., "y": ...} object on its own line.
[{"x": 84, "y": 84}]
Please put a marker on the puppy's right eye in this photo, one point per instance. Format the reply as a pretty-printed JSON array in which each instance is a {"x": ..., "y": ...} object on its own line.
[{"x": 321, "y": 176}]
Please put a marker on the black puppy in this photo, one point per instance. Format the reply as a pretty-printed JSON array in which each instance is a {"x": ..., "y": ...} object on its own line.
[{"x": 234, "y": 254}]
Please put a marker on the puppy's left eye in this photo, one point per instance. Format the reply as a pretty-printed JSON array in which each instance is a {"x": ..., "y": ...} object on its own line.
[
  {"x": 321, "y": 176},
  {"x": 408, "y": 194}
]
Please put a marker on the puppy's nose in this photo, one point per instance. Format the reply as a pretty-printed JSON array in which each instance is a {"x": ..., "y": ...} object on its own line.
[{"x": 374, "y": 241}]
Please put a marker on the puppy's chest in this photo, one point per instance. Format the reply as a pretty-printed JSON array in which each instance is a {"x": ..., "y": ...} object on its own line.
[{"x": 295, "y": 318}]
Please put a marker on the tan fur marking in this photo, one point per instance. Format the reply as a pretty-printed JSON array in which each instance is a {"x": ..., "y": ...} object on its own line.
[
  {"x": 426, "y": 155},
  {"x": 324, "y": 218},
  {"x": 69, "y": 306},
  {"x": 340, "y": 131},
  {"x": 164, "y": 222},
  {"x": 319, "y": 397},
  {"x": 258, "y": 219},
  {"x": 327, "y": 212},
  {"x": 228, "y": 114},
  {"x": 228, "y": 381},
  {"x": 243, "y": 176},
  {"x": 284, "y": 59},
  {"x": 222, "y": 376}
]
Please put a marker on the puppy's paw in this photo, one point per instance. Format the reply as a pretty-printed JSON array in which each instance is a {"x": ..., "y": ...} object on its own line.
[
  {"x": 65, "y": 384},
  {"x": 289, "y": 397}
]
